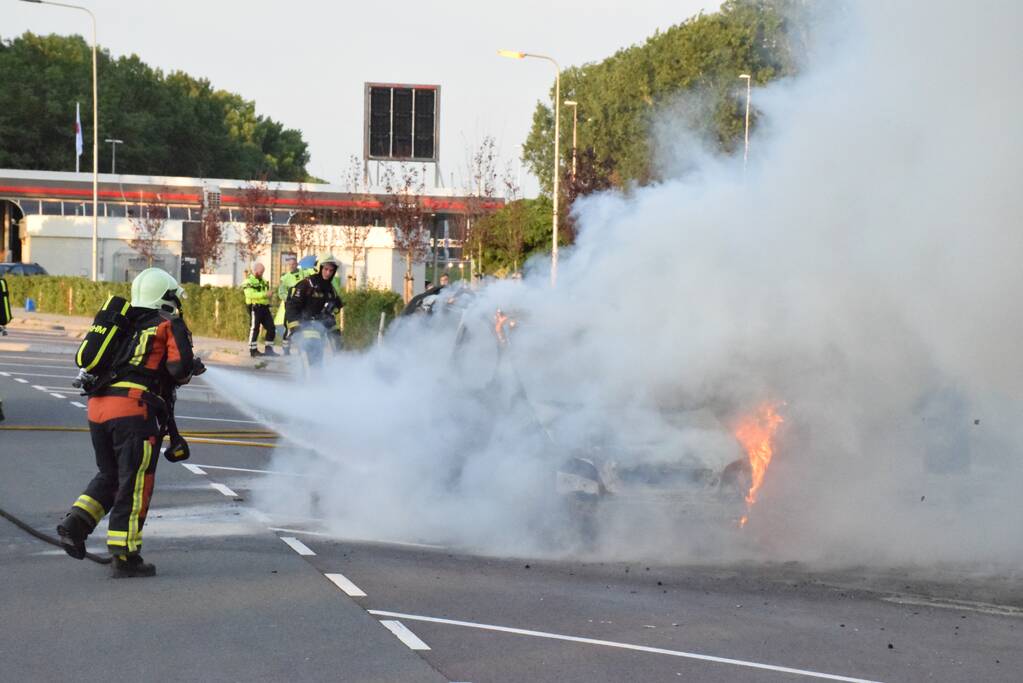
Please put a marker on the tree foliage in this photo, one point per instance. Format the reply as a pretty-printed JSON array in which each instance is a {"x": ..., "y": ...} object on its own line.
[
  {"x": 171, "y": 124},
  {"x": 621, "y": 97}
]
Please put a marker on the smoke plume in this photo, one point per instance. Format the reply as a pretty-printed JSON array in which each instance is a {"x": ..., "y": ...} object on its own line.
[{"x": 863, "y": 274}]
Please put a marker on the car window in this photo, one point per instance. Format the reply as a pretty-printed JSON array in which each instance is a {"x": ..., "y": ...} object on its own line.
[{"x": 17, "y": 269}]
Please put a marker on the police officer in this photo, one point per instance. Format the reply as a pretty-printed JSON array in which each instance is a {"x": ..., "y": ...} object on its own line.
[
  {"x": 128, "y": 417},
  {"x": 292, "y": 276},
  {"x": 257, "y": 298}
]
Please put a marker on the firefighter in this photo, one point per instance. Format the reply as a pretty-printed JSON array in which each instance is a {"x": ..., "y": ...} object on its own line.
[
  {"x": 128, "y": 416},
  {"x": 315, "y": 298},
  {"x": 292, "y": 276},
  {"x": 257, "y": 298}
]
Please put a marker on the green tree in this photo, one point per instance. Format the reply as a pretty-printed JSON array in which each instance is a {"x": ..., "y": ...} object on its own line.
[
  {"x": 171, "y": 124},
  {"x": 620, "y": 97}
]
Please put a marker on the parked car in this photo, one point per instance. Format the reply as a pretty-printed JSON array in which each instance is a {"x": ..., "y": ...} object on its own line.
[{"x": 22, "y": 269}]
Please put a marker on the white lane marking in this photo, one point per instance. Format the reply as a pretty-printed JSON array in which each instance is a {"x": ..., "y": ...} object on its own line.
[
  {"x": 58, "y": 395},
  {"x": 297, "y": 545},
  {"x": 215, "y": 419},
  {"x": 342, "y": 582},
  {"x": 404, "y": 635},
  {"x": 225, "y": 490},
  {"x": 39, "y": 374},
  {"x": 32, "y": 365},
  {"x": 623, "y": 646},
  {"x": 970, "y": 605},
  {"x": 23, "y": 381},
  {"x": 194, "y": 469},
  {"x": 245, "y": 469},
  {"x": 5, "y": 374},
  {"x": 36, "y": 386},
  {"x": 379, "y": 541},
  {"x": 77, "y": 404}
]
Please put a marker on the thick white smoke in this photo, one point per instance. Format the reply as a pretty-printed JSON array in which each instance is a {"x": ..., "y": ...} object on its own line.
[{"x": 865, "y": 270}]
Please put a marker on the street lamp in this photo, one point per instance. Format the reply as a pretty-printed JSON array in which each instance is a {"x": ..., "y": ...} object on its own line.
[
  {"x": 511, "y": 54},
  {"x": 575, "y": 125},
  {"x": 113, "y": 153},
  {"x": 95, "y": 135},
  {"x": 745, "y": 154}
]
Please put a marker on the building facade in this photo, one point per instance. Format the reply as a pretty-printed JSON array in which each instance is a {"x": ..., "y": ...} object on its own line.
[{"x": 46, "y": 218}]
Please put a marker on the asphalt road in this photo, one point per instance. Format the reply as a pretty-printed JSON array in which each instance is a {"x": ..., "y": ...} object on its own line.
[{"x": 242, "y": 595}]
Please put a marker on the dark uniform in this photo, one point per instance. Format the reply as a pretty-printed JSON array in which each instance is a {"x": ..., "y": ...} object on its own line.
[
  {"x": 313, "y": 299},
  {"x": 127, "y": 420},
  {"x": 5, "y": 317}
]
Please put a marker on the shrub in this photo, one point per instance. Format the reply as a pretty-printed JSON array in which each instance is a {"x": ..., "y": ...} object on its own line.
[{"x": 362, "y": 314}]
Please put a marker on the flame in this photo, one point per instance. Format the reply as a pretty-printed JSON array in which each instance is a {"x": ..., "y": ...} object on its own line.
[{"x": 756, "y": 433}]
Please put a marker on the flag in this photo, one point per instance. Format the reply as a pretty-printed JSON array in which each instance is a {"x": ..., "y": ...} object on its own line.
[{"x": 78, "y": 135}]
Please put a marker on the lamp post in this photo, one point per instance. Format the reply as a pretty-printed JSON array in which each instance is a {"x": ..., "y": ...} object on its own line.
[
  {"x": 95, "y": 135},
  {"x": 575, "y": 126},
  {"x": 511, "y": 54},
  {"x": 114, "y": 142},
  {"x": 745, "y": 153}
]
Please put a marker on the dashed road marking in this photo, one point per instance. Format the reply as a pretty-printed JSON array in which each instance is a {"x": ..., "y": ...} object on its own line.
[
  {"x": 194, "y": 469},
  {"x": 224, "y": 489},
  {"x": 23, "y": 381},
  {"x": 245, "y": 469},
  {"x": 36, "y": 386},
  {"x": 970, "y": 605},
  {"x": 57, "y": 395},
  {"x": 215, "y": 419},
  {"x": 5, "y": 374},
  {"x": 343, "y": 582},
  {"x": 77, "y": 404},
  {"x": 404, "y": 635},
  {"x": 378, "y": 541},
  {"x": 297, "y": 545},
  {"x": 623, "y": 646}
]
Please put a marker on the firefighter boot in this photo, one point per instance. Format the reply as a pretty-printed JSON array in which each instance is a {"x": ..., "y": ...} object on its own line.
[
  {"x": 73, "y": 531},
  {"x": 269, "y": 351},
  {"x": 129, "y": 566}
]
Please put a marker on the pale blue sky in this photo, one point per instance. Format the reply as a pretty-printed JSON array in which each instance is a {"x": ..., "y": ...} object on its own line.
[{"x": 305, "y": 62}]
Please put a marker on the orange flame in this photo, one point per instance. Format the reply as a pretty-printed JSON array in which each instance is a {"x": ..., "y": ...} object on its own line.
[{"x": 756, "y": 433}]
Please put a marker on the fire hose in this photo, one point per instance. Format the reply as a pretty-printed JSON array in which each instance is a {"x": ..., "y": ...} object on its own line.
[{"x": 197, "y": 437}]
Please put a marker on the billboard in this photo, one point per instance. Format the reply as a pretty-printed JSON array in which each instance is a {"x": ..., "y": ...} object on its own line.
[{"x": 402, "y": 122}]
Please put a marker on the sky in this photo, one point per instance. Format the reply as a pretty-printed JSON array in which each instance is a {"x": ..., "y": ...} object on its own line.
[{"x": 304, "y": 63}]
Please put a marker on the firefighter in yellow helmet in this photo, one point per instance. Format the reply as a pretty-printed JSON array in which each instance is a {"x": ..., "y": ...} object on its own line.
[
  {"x": 315, "y": 298},
  {"x": 129, "y": 413}
]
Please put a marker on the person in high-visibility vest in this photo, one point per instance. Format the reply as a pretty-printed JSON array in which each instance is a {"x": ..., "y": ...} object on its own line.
[
  {"x": 292, "y": 276},
  {"x": 257, "y": 298}
]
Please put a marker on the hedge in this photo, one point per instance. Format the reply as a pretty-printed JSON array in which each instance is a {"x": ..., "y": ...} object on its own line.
[
  {"x": 210, "y": 311},
  {"x": 362, "y": 314}
]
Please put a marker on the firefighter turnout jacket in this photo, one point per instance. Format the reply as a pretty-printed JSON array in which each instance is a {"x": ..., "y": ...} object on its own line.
[
  {"x": 312, "y": 299},
  {"x": 127, "y": 420}
]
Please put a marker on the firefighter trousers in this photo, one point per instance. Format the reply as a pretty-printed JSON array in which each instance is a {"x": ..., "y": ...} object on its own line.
[
  {"x": 127, "y": 450},
  {"x": 260, "y": 316}
]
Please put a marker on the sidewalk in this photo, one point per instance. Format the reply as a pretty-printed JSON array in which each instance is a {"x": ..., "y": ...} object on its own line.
[{"x": 223, "y": 351}]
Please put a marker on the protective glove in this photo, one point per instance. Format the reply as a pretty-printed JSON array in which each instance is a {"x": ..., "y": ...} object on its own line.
[
  {"x": 3, "y": 331},
  {"x": 177, "y": 449},
  {"x": 198, "y": 367}
]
